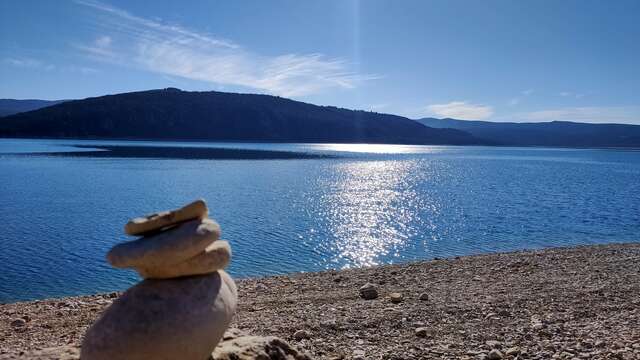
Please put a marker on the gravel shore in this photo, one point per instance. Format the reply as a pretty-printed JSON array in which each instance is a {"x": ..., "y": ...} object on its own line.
[{"x": 564, "y": 303}]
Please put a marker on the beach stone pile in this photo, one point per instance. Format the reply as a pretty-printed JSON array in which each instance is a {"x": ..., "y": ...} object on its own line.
[
  {"x": 186, "y": 301},
  {"x": 239, "y": 345}
]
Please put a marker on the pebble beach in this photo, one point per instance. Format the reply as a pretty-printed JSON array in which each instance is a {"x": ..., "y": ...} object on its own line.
[{"x": 559, "y": 303}]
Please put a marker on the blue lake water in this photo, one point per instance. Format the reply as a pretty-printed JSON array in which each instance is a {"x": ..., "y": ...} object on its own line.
[{"x": 372, "y": 204}]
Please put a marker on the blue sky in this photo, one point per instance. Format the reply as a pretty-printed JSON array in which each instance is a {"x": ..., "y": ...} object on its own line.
[{"x": 495, "y": 60}]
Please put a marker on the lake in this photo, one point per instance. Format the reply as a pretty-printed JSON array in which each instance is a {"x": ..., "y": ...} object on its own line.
[{"x": 349, "y": 206}]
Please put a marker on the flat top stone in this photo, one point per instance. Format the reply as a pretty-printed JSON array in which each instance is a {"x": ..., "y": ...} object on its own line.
[
  {"x": 166, "y": 248},
  {"x": 157, "y": 221}
]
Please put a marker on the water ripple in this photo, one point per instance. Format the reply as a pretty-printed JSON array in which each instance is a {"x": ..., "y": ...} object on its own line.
[{"x": 378, "y": 205}]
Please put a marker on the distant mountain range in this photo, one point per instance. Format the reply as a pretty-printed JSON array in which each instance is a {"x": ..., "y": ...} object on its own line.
[
  {"x": 554, "y": 133},
  {"x": 172, "y": 114},
  {"x": 12, "y": 106}
]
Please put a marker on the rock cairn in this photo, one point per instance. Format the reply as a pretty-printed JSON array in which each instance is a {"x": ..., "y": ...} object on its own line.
[{"x": 186, "y": 301}]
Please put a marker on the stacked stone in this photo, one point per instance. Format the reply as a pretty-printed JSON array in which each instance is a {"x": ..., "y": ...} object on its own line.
[{"x": 186, "y": 301}]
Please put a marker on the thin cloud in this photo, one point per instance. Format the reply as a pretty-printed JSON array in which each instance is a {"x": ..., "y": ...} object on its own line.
[
  {"x": 518, "y": 99},
  {"x": 461, "y": 110},
  {"x": 176, "y": 51},
  {"x": 140, "y": 26},
  {"x": 28, "y": 63},
  {"x": 593, "y": 114},
  {"x": 35, "y": 64},
  {"x": 571, "y": 94},
  {"x": 101, "y": 49},
  {"x": 103, "y": 41},
  {"x": 88, "y": 70}
]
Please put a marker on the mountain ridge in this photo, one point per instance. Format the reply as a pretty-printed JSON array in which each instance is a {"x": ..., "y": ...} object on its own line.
[
  {"x": 552, "y": 133},
  {"x": 15, "y": 106},
  {"x": 173, "y": 114}
]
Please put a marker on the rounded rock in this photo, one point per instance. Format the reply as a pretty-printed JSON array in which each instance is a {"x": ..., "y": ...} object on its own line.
[
  {"x": 154, "y": 222},
  {"x": 422, "y": 332},
  {"x": 358, "y": 354},
  {"x": 301, "y": 335},
  {"x": 396, "y": 297},
  {"x": 181, "y": 318},
  {"x": 513, "y": 351},
  {"x": 369, "y": 291},
  {"x": 166, "y": 248},
  {"x": 537, "y": 326},
  {"x": 215, "y": 257},
  {"x": 495, "y": 354},
  {"x": 248, "y": 347},
  {"x": 18, "y": 323}
]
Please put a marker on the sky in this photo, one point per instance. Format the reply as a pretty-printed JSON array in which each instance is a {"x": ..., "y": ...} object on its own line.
[{"x": 494, "y": 60}]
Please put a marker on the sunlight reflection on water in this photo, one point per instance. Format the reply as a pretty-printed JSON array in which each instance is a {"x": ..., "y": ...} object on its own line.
[
  {"x": 371, "y": 210},
  {"x": 379, "y": 148}
]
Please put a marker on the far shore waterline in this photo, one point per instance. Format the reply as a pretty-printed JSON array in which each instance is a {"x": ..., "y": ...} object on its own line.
[
  {"x": 249, "y": 141},
  {"x": 184, "y": 153}
]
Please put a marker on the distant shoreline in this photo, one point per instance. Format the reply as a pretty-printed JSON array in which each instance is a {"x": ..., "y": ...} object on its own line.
[
  {"x": 238, "y": 141},
  {"x": 200, "y": 141},
  {"x": 579, "y": 300},
  {"x": 186, "y": 153}
]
